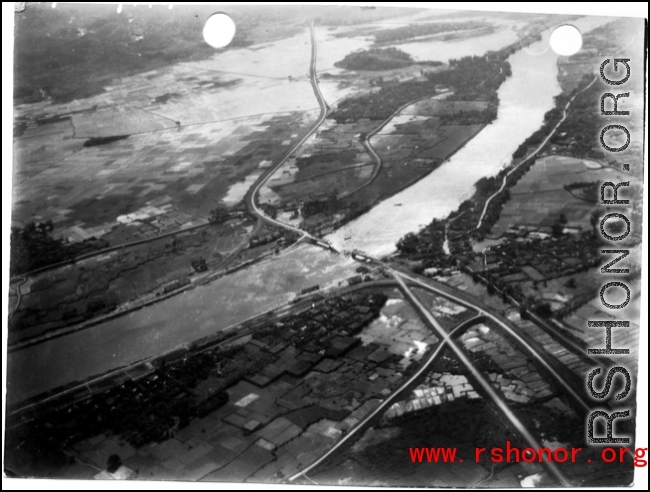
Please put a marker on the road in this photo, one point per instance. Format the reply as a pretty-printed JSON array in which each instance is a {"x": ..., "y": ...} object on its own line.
[
  {"x": 324, "y": 109},
  {"x": 535, "y": 152},
  {"x": 523, "y": 343},
  {"x": 19, "y": 295},
  {"x": 446, "y": 339}
]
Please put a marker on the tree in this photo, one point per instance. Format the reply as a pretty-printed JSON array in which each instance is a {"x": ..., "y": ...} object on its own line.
[
  {"x": 563, "y": 219},
  {"x": 557, "y": 229},
  {"x": 200, "y": 264},
  {"x": 219, "y": 215},
  {"x": 544, "y": 310},
  {"x": 408, "y": 243},
  {"x": 490, "y": 288},
  {"x": 523, "y": 313},
  {"x": 571, "y": 283},
  {"x": 113, "y": 464}
]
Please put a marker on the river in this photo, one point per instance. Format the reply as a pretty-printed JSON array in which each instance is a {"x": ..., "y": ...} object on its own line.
[
  {"x": 170, "y": 323},
  {"x": 524, "y": 99}
]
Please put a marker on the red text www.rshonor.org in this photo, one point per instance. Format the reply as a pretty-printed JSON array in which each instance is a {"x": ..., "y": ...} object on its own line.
[{"x": 511, "y": 454}]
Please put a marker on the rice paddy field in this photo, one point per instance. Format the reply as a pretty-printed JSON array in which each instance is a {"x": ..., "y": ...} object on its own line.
[{"x": 539, "y": 198}]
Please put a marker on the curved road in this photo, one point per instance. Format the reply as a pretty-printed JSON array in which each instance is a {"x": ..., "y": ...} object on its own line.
[
  {"x": 19, "y": 295},
  {"x": 250, "y": 196}
]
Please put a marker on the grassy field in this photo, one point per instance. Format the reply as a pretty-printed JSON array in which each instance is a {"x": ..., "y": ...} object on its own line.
[{"x": 444, "y": 107}]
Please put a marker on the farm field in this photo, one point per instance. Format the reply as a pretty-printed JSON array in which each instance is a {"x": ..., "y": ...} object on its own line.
[
  {"x": 576, "y": 325},
  {"x": 579, "y": 287},
  {"x": 411, "y": 148},
  {"x": 539, "y": 198},
  {"x": 334, "y": 161},
  {"x": 444, "y": 108},
  {"x": 150, "y": 182},
  {"x": 75, "y": 293},
  {"x": 572, "y": 69},
  {"x": 441, "y": 192},
  {"x": 331, "y": 160},
  {"x": 444, "y": 409}
]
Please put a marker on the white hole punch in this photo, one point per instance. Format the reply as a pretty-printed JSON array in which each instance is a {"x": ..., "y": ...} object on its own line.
[
  {"x": 219, "y": 30},
  {"x": 566, "y": 40}
]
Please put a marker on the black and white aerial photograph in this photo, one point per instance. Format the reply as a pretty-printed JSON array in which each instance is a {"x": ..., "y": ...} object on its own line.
[{"x": 324, "y": 245}]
